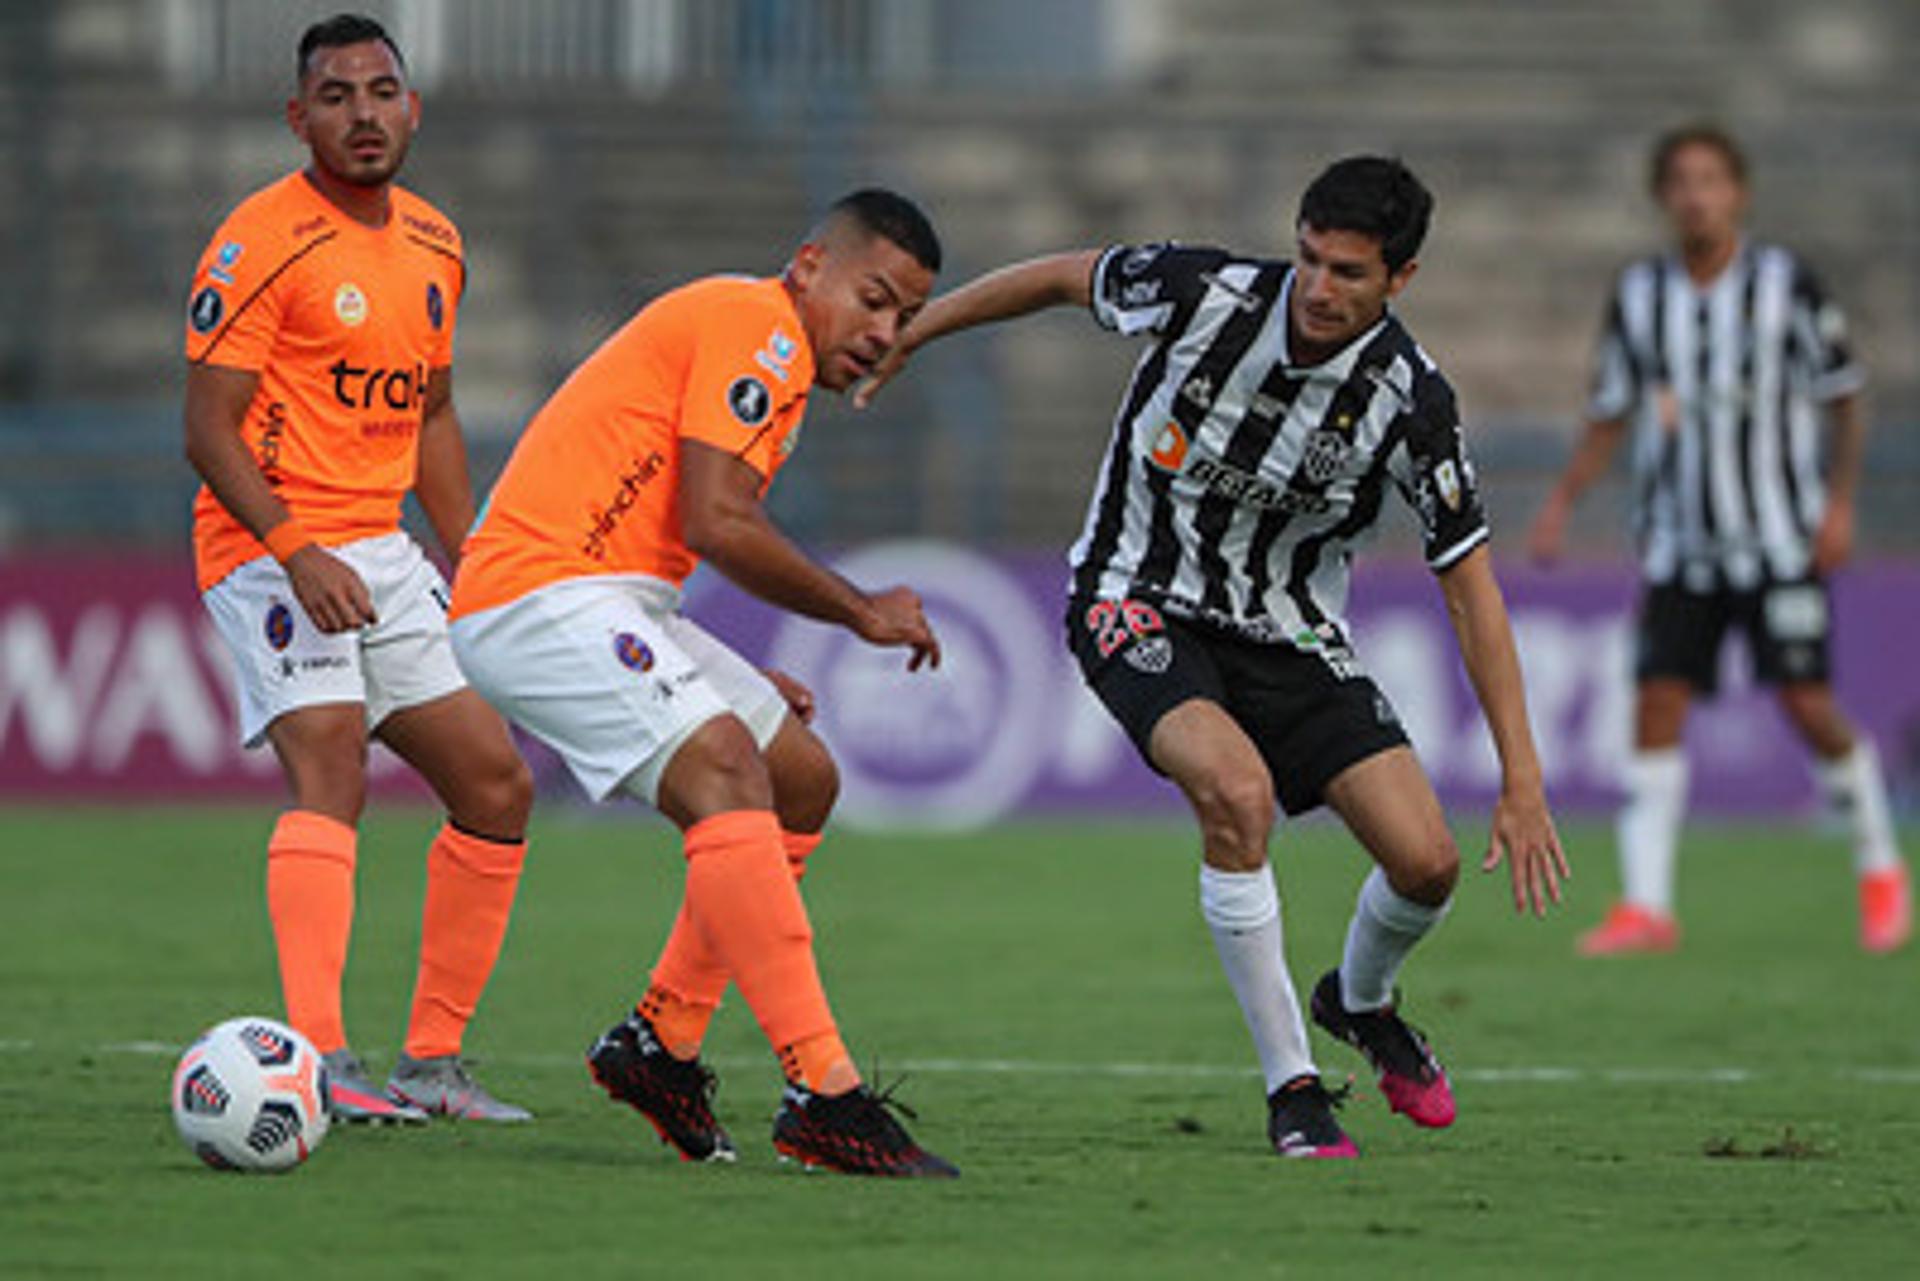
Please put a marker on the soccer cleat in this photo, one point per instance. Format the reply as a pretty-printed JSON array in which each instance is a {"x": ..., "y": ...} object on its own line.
[
  {"x": 1300, "y": 1121},
  {"x": 1410, "y": 1076},
  {"x": 1886, "y": 909},
  {"x": 1631, "y": 928},
  {"x": 853, "y": 1133},
  {"x": 352, "y": 1096},
  {"x": 442, "y": 1086},
  {"x": 675, "y": 1095}
]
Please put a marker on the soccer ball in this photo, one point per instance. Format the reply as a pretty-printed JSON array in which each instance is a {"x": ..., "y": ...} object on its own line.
[{"x": 251, "y": 1094}]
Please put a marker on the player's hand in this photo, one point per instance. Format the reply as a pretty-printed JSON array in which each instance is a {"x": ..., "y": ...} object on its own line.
[
  {"x": 883, "y": 373},
  {"x": 329, "y": 590},
  {"x": 1547, "y": 536},
  {"x": 1523, "y": 835},
  {"x": 1833, "y": 542},
  {"x": 799, "y": 697},
  {"x": 894, "y": 617}
]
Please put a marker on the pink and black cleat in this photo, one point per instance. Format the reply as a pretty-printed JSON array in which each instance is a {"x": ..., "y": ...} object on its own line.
[
  {"x": 1301, "y": 1124},
  {"x": 1410, "y": 1076}
]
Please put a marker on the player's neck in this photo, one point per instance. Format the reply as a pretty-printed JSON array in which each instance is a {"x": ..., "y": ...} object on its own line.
[
  {"x": 369, "y": 206},
  {"x": 1706, "y": 259}
]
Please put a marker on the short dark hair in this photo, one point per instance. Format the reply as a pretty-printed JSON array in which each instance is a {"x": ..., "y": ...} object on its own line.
[
  {"x": 1697, "y": 134},
  {"x": 1376, "y": 196},
  {"x": 338, "y": 32},
  {"x": 892, "y": 215}
]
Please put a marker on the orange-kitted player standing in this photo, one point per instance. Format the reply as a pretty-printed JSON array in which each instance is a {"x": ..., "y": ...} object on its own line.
[
  {"x": 319, "y": 393},
  {"x": 653, "y": 456}
]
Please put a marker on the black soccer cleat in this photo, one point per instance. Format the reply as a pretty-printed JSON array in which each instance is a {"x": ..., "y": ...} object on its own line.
[
  {"x": 853, "y": 1133},
  {"x": 675, "y": 1095},
  {"x": 1410, "y": 1076},
  {"x": 1300, "y": 1121}
]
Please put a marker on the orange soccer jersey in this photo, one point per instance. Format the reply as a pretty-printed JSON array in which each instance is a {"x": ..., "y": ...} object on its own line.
[
  {"x": 343, "y": 323},
  {"x": 592, "y": 486}
]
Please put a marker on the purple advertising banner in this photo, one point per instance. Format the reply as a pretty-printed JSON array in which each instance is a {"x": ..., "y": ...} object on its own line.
[{"x": 114, "y": 685}]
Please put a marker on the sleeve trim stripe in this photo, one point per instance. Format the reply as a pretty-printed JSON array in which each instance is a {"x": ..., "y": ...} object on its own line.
[
  {"x": 458, "y": 260},
  {"x": 205, "y": 356},
  {"x": 1454, "y": 554}
]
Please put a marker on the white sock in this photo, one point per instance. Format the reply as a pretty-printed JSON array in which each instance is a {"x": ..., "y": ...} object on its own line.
[
  {"x": 1242, "y": 909},
  {"x": 1384, "y": 929},
  {"x": 1649, "y": 826},
  {"x": 1857, "y": 789}
]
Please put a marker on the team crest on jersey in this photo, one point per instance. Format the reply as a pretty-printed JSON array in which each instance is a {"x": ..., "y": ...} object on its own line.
[
  {"x": 350, "y": 304},
  {"x": 204, "y": 312},
  {"x": 634, "y": 654},
  {"x": 436, "y": 305},
  {"x": 1324, "y": 454},
  {"x": 749, "y": 400},
  {"x": 1446, "y": 479},
  {"x": 1169, "y": 452},
  {"x": 279, "y": 625}
]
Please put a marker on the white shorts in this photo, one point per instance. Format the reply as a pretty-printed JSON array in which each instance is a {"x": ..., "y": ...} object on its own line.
[
  {"x": 282, "y": 662},
  {"x": 608, "y": 674}
]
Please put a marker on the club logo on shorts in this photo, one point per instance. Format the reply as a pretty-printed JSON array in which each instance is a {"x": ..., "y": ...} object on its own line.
[
  {"x": 279, "y": 627},
  {"x": 436, "y": 305},
  {"x": 749, "y": 400},
  {"x": 1150, "y": 655},
  {"x": 632, "y": 652},
  {"x": 350, "y": 304},
  {"x": 204, "y": 312}
]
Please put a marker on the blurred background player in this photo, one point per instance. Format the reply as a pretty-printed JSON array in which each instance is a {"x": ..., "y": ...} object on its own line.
[
  {"x": 1252, "y": 453},
  {"x": 319, "y": 393},
  {"x": 1722, "y": 359},
  {"x": 652, "y": 457}
]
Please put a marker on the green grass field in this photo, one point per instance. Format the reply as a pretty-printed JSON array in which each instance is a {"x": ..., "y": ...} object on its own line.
[{"x": 1069, "y": 1042}]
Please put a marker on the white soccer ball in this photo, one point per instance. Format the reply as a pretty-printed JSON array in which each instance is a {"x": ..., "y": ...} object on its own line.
[{"x": 251, "y": 1094}]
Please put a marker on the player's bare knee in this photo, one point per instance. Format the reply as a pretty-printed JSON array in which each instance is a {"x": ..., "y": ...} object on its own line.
[
  {"x": 498, "y": 797},
  {"x": 717, "y": 770},
  {"x": 1236, "y": 813},
  {"x": 1430, "y": 876},
  {"x": 806, "y": 786}
]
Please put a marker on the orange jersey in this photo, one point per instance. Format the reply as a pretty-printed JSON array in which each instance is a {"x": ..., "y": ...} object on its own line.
[
  {"x": 343, "y": 323},
  {"x": 593, "y": 485}
]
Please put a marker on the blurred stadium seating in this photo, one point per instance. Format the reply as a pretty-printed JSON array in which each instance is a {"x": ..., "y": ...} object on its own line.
[{"x": 597, "y": 151}]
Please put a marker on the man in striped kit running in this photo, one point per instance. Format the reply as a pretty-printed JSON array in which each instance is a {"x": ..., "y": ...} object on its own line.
[{"x": 1721, "y": 360}]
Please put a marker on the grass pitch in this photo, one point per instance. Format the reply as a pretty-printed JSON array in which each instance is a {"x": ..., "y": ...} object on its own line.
[{"x": 1751, "y": 1103}]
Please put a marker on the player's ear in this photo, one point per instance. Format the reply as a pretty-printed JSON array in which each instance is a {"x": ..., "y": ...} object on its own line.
[
  {"x": 809, "y": 260},
  {"x": 297, "y": 118},
  {"x": 413, "y": 111},
  {"x": 1398, "y": 280}
]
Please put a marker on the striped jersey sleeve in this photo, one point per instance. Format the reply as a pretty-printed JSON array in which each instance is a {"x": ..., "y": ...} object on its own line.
[{"x": 1141, "y": 289}]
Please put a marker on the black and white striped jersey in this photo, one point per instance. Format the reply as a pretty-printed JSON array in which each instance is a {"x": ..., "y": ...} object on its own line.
[
  {"x": 1723, "y": 388},
  {"x": 1238, "y": 484}
]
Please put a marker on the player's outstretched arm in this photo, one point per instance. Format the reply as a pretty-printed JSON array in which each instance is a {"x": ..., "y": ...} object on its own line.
[
  {"x": 217, "y": 402},
  {"x": 1591, "y": 458},
  {"x": 1523, "y": 832},
  {"x": 442, "y": 482},
  {"x": 723, "y": 523},
  {"x": 1056, "y": 280}
]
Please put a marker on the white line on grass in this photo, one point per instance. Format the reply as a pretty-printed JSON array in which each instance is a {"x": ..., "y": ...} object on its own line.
[{"x": 1864, "y": 1075}]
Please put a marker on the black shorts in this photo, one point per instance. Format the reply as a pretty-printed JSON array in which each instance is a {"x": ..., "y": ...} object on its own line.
[
  {"x": 1787, "y": 626},
  {"x": 1311, "y": 715}
]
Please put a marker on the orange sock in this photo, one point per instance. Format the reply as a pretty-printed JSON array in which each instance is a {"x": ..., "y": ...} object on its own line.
[
  {"x": 688, "y": 980},
  {"x": 742, "y": 899},
  {"x": 471, "y": 882},
  {"x": 310, "y": 860}
]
